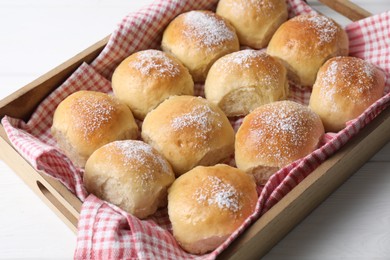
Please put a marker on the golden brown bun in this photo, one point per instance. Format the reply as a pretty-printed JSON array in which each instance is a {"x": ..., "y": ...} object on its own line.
[
  {"x": 129, "y": 174},
  {"x": 274, "y": 135},
  {"x": 344, "y": 88},
  {"x": 146, "y": 78},
  {"x": 304, "y": 43},
  {"x": 189, "y": 131},
  {"x": 197, "y": 39},
  {"x": 241, "y": 81},
  {"x": 255, "y": 21},
  {"x": 207, "y": 204},
  {"x": 87, "y": 120}
]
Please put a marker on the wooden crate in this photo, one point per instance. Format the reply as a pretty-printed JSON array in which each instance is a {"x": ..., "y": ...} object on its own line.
[{"x": 266, "y": 231}]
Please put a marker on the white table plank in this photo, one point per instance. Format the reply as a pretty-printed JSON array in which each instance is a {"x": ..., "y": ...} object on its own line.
[
  {"x": 354, "y": 222},
  {"x": 28, "y": 228}
]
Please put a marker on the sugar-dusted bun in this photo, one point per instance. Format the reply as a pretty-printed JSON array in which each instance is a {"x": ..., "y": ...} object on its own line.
[
  {"x": 241, "y": 81},
  {"x": 304, "y": 43},
  {"x": 274, "y": 135},
  {"x": 146, "y": 78},
  {"x": 189, "y": 131},
  {"x": 344, "y": 88},
  {"x": 255, "y": 21},
  {"x": 87, "y": 120},
  {"x": 197, "y": 39},
  {"x": 129, "y": 174},
  {"x": 207, "y": 204}
]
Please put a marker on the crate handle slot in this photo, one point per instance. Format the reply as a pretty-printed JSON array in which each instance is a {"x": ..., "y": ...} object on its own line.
[{"x": 61, "y": 210}]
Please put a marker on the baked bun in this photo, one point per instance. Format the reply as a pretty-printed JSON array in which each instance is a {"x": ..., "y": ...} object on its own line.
[
  {"x": 344, "y": 88},
  {"x": 207, "y": 204},
  {"x": 304, "y": 43},
  {"x": 189, "y": 131},
  {"x": 146, "y": 78},
  {"x": 241, "y": 81},
  {"x": 274, "y": 135},
  {"x": 255, "y": 21},
  {"x": 87, "y": 120},
  {"x": 129, "y": 174},
  {"x": 197, "y": 39}
]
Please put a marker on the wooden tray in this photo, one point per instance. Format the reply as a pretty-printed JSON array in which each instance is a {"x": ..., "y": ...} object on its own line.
[{"x": 258, "y": 239}]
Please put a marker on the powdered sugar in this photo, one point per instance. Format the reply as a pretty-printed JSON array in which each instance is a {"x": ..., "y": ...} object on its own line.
[
  {"x": 219, "y": 193},
  {"x": 330, "y": 74},
  {"x": 281, "y": 130},
  {"x": 202, "y": 118},
  {"x": 326, "y": 29},
  {"x": 207, "y": 29},
  {"x": 139, "y": 153},
  {"x": 368, "y": 70},
  {"x": 93, "y": 111},
  {"x": 245, "y": 57},
  {"x": 347, "y": 73},
  {"x": 155, "y": 63},
  {"x": 145, "y": 164},
  {"x": 262, "y": 7},
  {"x": 134, "y": 150},
  {"x": 268, "y": 71}
]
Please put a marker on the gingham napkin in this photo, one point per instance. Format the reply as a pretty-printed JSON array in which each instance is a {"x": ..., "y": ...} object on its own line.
[{"x": 107, "y": 232}]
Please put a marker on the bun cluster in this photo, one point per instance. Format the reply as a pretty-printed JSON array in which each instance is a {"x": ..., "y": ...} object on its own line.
[
  {"x": 133, "y": 163},
  {"x": 255, "y": 21},
  {"x": 130, "y": 174},
  {"x": 207, "y": 204},
  {"x": 274, "y": 135},
  {"x": 241, "y": 81},
  {"x": 146, "y": 78},
  {"x": 189, "y": 131},
  {"x": 87, "y": 120},
  {"x": 344, "y": 88},
  {"x": 304, "y": 43},
  {"x": 198, "y": 39}
]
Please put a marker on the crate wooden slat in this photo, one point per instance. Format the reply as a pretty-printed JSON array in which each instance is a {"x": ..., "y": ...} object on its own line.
[
  {"x": 347, "y": 8},
  {"x": 264, "y": 233}
]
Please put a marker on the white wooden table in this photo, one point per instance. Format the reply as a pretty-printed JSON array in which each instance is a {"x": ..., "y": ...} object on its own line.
[{"x": 354, "y": 222}]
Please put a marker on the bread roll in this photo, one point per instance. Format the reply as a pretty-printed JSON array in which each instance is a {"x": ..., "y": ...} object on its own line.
[
  {"x": 274, "y": 135},
  {"x": 304, "y": 43},
  {"x": 344, "y": 88},
  {"x": 87, "y": 120},
  {"x": 189, "y": 131},
  {"x": 129, "y": 174},
  {"x": 255, "y": 21},
  {"x": 146, "y": 78},
  {"x": 197, "y": 39},
  {"x": 241, "y": 81},
  {"x": 207, "y": 204}
]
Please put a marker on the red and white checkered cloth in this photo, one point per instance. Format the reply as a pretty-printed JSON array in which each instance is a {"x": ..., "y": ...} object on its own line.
[{"x": 107, "y": 232}]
